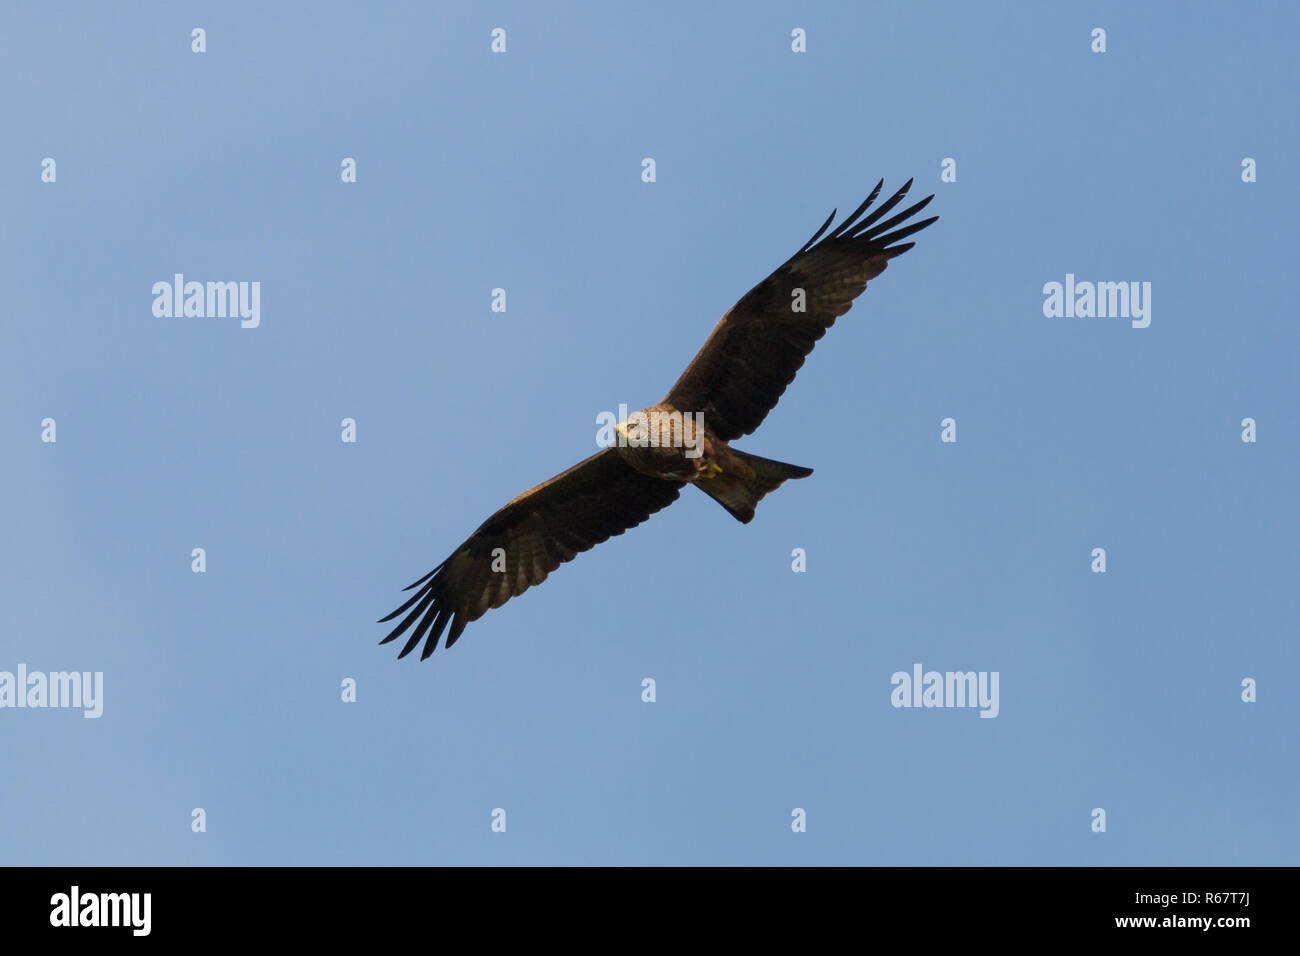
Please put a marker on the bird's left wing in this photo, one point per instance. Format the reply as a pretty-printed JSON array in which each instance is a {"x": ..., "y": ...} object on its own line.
[
  {"x": 756, "y": 348},
  {"x": 526, "y": 540}
]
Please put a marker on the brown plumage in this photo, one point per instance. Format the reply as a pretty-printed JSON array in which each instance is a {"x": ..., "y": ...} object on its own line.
[
  {"x": 735, "y": 380},
  {"x": 756, "y": 348},
  {"x": 538, "y": 531}
]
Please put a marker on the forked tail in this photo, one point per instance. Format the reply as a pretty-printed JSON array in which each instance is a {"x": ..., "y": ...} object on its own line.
[{"x": 744, "y": 480}]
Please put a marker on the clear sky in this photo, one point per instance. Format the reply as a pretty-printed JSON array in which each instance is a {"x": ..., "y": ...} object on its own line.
[{"x": 523, "y": 171}]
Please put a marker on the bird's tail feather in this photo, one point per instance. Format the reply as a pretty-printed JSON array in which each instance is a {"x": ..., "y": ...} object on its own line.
[{"x": 745, "y": 479}]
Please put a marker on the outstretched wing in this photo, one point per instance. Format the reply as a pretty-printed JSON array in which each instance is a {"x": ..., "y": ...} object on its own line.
[
  {"x": 537, "y": 532},
  {"x": 756, "y": 348}
]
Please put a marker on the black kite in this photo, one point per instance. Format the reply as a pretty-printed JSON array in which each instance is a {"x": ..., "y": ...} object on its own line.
[{"x": 734, "y": 381}]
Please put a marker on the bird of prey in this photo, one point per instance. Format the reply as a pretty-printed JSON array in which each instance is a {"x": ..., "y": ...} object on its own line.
[{"x": 725, "y": 393}]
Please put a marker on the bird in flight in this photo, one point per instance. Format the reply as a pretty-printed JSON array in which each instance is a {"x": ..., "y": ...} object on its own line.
[{"x": 725, "y": 393}]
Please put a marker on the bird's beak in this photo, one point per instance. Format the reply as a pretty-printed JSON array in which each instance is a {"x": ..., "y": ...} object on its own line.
[{"x": 621, "y": 429}]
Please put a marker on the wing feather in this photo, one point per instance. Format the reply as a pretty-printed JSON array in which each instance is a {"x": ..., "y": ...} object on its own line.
[
  {"x": 757, "y": 348},
  {"x": 541, "y": 529}
]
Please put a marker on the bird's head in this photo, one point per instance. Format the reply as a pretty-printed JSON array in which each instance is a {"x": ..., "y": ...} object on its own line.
[{"x": 630, "y": 428}]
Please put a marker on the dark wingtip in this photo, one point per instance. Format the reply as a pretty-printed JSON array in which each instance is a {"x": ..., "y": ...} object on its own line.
[
  {"x": 433, "y": 624},
  {"x": 416, "y": 584},
  {"x": 900, "y": 234},
  {"x": 458, "y": 624},
  {"x": 818, "y": 234},
  {"x": 876, "y": 232}
]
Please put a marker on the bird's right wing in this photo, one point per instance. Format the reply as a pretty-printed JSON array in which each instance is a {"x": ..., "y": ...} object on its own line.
[
  {"x": 756, "y": 348},
  {"x": 536, "y": 533}
]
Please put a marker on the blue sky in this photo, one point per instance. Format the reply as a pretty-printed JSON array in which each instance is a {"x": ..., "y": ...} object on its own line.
[{"x": 522, "y": 171}]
